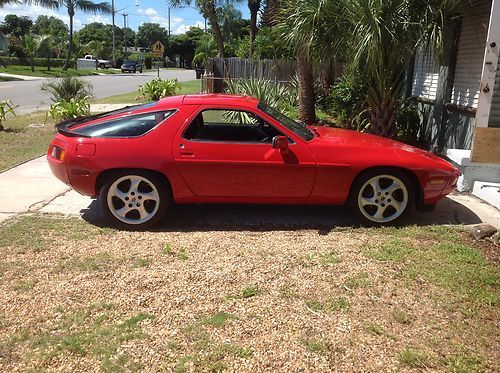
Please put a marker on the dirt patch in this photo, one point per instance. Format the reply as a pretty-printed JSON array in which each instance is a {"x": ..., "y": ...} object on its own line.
[{"x": 246, "y": 300}]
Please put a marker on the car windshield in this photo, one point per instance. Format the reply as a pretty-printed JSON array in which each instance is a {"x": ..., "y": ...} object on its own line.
[{"x": 296, "y": 127}]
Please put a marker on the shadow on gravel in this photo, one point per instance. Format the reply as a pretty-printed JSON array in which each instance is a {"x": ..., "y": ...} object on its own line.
[{"x": 269, "y": 217}]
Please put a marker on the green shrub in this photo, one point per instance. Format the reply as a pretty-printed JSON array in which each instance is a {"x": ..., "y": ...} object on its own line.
[
  {"x": 275, "y": 94},
  {"x": 67, "y": 88},
  {"x": 39, "y": 62},
  {"x": 409, "y": 127},
  {"x": 346, "y": 101},
  {"x": 158, "y": 88},
  {"x": 62, "y": 110},
  {"x": 6, "y": 107}
]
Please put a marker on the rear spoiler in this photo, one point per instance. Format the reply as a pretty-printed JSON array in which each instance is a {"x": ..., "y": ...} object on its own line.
[{"x": 64, "y": 127}]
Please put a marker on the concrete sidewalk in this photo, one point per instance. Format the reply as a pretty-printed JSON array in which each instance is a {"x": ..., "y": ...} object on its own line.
[
  {"x": 28, "y": 187},
  {"x": 32, "y": 187}
]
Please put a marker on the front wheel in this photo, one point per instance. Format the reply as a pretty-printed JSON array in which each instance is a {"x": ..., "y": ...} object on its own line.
[
  {"x": 134, "y": 199},
  {"x": 381, "y": 197}
]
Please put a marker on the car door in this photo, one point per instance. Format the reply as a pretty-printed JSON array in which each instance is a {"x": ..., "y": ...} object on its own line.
[{"x": 228, "y": 153}]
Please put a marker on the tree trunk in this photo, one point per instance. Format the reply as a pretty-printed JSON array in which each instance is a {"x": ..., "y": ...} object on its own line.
[
  {"x": 211, "y": 13},
  {"x": 307, "y": 112},
  {"x": 253, "y": 6},
  {"x": 71, "y": 13},
  {"x": 383, "y": 115},
  {"x": 1, "y": 127},
  {"x": 48, "y": 62},
  {"x": 32, "y": 63}
]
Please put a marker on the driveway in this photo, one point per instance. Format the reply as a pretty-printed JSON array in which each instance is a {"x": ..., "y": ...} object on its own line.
[
  {"x": 29, "y": 96},
  {"x": 20, "y": 192}
]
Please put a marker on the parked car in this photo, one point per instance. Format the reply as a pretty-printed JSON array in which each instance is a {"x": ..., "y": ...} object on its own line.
[
  {"x": 234, "y": 149},
  {"x": 132, "y": 66},
  {"x": 103, "y": 64}
]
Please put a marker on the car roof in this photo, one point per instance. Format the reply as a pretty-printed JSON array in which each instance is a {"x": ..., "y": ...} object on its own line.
[{"x": 210, "y": 99}]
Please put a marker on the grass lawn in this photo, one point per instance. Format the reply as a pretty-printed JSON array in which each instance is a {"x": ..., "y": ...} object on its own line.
[
  {"x": 192, "y": 297},
  {"x": 192, "y": 86},
  {"x": 22, "y": 141},
  {"x": 54, "y": 72}
]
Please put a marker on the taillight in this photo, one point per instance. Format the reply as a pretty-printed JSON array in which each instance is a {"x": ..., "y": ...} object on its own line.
[{"x": 58, "y": 153}]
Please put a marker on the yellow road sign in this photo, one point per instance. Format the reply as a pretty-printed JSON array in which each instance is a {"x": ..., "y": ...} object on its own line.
[{"x": 158, "y": 49}]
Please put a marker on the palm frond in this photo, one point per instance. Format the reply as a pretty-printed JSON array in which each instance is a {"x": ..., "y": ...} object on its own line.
[{"x": 91, "y": 7}]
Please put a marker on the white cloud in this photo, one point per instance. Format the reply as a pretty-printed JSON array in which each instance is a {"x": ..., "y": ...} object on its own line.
[
  {"x": 34, "y": 11},
  {"x": 155, "y": 17},
  {"x": 183, "y": 28},
  {"x": 100, "y": 19}
]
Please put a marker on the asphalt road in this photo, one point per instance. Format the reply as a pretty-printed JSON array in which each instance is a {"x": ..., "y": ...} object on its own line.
[{"x": 28, "y": 95}]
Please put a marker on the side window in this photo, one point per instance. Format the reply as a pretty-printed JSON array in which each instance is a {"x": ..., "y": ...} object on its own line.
[
  {"x": 130, "y": 126},
  {"x": 230, "y": 126}
]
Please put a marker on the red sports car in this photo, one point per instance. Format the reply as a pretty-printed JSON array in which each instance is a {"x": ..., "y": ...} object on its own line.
[{"x": 234, "y": 149}]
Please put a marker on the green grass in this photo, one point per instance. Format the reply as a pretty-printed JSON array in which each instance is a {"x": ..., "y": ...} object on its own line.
[
  {"x": 444, "y": 261},
  {"x": 25, "y": 285},
  {"x": 37, "y": 233},
  {"x": 20, "y": 142},
  {"x": 400, "y": 316},
  {"x": 323, "y": 258},
  {"x": 91, "y": 263},
  {"x": 247, "y": 292},
  {"x": 191, "y": 86},
  {"x": 86, "y": 332},
  {"x": 413, "y": 358},
  {"x": 315, "y": 345},
  {"x": 54, "y": 71},
  {"x": 217, "y": 320}
]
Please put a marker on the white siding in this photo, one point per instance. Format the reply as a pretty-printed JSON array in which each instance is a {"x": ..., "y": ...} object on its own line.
[
  {"x": 470, "y": 54},
  {"x": 425, "y": 75}
]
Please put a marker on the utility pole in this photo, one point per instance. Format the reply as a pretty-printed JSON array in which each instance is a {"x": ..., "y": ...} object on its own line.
[
  {"x": 125, "y": 32},
  {"x": 168, "y": 21},
  {"x": 113, "y": 21}
]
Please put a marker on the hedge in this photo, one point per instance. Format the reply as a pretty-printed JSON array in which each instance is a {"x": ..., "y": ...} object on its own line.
[{"x": 39, "y": 62}]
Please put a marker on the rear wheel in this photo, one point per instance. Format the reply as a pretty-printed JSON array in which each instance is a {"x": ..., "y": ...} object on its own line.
[
  {"x": 381, "y": 196},
  {"x": 134, "y": 199}
]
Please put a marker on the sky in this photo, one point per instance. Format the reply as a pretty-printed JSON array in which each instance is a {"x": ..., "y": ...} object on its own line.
[{"x": 139, "y": 11}]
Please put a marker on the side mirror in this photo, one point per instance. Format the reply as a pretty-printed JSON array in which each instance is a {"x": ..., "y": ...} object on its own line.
[{"x": 281, "y": 143}]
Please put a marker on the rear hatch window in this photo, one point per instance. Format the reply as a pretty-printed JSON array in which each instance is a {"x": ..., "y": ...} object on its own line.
[{"x": 132, "y": 125}]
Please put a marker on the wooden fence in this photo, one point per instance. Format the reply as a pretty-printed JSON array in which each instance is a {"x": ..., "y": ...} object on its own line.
[{"x": 240, "y": 68}]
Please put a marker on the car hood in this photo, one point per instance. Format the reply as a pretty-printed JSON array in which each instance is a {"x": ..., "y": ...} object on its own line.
[{"x": 376, "y": 146}]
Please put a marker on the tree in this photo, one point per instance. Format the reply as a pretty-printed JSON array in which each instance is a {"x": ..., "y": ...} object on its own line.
[
  {"x": 205, "y": 48},
  {"x": 254, "y": 7},
  {"x": 208, "y": 9},
  {"x": 375, "y": 37},
  {"x": 71, "y": 6},
  {"x": 58, "y": 31},
  {"x": 149, "y": 33},
  {"x": 228, "y": 17},
  {"x": 31, "y": 43},
  {"x": 16, "y": 26}
]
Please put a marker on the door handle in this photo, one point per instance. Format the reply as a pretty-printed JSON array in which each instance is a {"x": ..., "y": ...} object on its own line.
[{"x": 187, "y": 152}]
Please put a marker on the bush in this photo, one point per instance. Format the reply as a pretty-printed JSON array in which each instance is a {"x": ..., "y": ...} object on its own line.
[
  {"x": 277, "y": 95},
  {"x": 6, "y": 107},
  {"x": 158, "y": 88},
  {"x": 148, "y": 62},
  {"x": 346, "y": 101},
  {"x": 62, "y": 110},
  {"x": 67, "y": 88},
  {"x": 39, "y": 62}
]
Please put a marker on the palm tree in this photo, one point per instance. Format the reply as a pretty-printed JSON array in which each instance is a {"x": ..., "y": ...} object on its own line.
[
  {"x": 71, "y": 6},
  {"x": 375, "y": 37},
  {"x": 254, "y": 7},
  {"x": 6, "y": 2},
  {"x": 208, "y": 9},
  {"x": 205, "y": 48}
]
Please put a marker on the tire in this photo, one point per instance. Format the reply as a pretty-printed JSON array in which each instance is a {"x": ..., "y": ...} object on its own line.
[
  {"x": 381, "y": 196},
  {"x": 101, "y": 65},
  {"x": 123, "y": 71},
  {"x": 140, "y": 70},
  {"x": 134, "y": 199}
]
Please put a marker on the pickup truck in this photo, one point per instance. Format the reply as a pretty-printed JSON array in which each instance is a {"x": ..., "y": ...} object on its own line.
[{"x": 103, "y": 64}]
